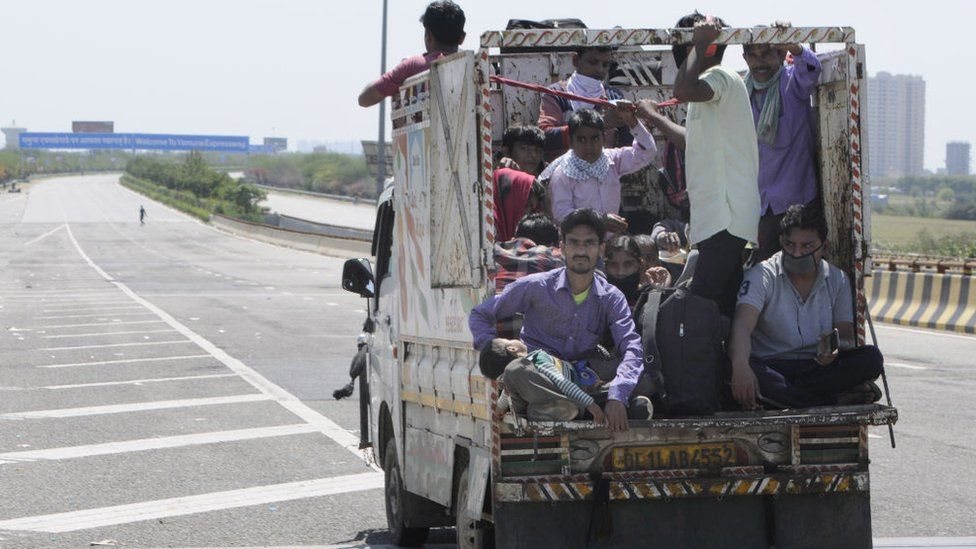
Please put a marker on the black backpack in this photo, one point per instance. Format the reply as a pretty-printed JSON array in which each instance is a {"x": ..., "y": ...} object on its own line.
[{"x": 683, "y": 336}]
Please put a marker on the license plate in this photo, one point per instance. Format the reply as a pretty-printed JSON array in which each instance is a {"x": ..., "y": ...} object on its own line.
[{"x": 678, "y": 456}]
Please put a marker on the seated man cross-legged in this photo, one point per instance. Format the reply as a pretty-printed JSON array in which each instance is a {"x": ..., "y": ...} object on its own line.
[
  {"x": 566, "y": 312},
  {"x": 788, "y": 308}
]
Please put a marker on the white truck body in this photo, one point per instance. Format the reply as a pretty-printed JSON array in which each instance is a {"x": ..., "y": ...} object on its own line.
[{"x": 433, "y": 247}]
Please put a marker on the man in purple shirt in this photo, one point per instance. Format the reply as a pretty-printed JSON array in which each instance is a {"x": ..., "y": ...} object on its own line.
[
  {"x": 567, "y": 311},
  {"x": 780, "y": 98},
  {"x": 443, "y": 32}
]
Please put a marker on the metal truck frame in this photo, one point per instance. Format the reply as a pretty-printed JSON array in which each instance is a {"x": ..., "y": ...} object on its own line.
[{"x": 795, "y": 478}]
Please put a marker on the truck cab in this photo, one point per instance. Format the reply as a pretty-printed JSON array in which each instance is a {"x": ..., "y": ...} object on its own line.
[{"x": 790, "y": 478}]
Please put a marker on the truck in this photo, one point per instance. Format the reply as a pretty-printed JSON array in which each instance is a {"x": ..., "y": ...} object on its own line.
[{"x": 783, "y": 478}]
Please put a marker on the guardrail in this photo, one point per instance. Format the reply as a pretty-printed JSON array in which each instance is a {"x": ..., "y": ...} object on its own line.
[
  {"x": 353, "y": 199},
  {"x": 920, "y": 263},
  {"x": 311, "y": 242}
]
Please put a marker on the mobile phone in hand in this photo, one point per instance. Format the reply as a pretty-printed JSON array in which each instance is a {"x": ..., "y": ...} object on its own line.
[{"x": 829, "y": 342}]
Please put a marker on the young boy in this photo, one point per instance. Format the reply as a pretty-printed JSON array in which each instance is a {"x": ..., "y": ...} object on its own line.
[
  {"x": 722, "y": 161},
  {"x": 443, "y": 32},
  {"x": 592, "y": 66},
  {"x": 540, "y": 386},
  {"x": 588, "y": 176}
]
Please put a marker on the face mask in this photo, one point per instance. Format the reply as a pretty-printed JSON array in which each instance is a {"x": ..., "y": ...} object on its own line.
[
  {"x": 802, "y": 264},
  {"x": 626, "y": 284}
]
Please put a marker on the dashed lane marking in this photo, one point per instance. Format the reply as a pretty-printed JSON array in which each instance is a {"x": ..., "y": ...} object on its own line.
[
  {"x": 108, "y": 345},
  {"x": 158, "y": 443},
  {"x": 45, "y": 235},
  {"x": 112, "y": 314},
  {"x": 135, "y": 381},
  {"x": 90, "y": 310},
  {"x": 122, "y": 361},
  {"x": 120, "y": 323},
  {"x": 906, "y": 366},
  {"x": 134, "y": 407},
  {"x": 186, "y": 505},
  {"x": 129, "y": 332}
]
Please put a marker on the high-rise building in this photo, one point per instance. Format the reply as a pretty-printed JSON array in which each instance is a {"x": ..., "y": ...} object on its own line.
[
  {"x": 957, "y": 158},
  {"x": 896, "y": 124},
  {"x": 12, "y": 136}
]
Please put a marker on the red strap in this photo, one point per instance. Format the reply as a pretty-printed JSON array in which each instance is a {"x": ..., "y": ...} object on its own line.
[{"x": 567, "y": 95}]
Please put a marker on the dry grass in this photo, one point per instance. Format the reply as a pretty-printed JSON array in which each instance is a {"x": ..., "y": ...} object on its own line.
[{"x": 891, "y": 231}]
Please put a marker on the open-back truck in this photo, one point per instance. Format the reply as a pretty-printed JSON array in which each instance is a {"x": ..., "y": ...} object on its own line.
[{"x": 793, "y": 478}]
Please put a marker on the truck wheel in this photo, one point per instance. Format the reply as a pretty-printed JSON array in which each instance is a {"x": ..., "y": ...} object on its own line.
[
  {"x": 396, "y": 499},
  {"x": 471, "y": 534}
]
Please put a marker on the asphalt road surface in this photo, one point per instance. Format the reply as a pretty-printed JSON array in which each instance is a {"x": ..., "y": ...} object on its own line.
[{"x": 169, "y": 385}]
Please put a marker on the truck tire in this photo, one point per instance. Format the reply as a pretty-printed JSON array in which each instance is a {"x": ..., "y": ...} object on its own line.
[
  {"x": 396, "y": 500},
  {"x": 471, "y": 534}
]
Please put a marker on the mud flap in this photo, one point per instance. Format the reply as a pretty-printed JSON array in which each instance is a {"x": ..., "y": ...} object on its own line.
[
  {"x": 479, "y": 463},
  {"x": 601, "y": 521}
]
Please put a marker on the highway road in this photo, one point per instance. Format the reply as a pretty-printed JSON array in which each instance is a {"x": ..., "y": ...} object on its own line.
[{"x": 169, "y": 385}]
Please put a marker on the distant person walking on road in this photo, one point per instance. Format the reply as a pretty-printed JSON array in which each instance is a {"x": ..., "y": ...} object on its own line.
[{"x": 142, "y": 215}]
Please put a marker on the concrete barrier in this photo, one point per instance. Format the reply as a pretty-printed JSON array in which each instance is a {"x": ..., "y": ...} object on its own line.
[
  {"x": 310, "y": 242},
  {"x": 925, "y": 300}
]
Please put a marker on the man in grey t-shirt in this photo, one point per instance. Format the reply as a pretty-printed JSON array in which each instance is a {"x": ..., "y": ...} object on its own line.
[{"x": 788, "y": 306}]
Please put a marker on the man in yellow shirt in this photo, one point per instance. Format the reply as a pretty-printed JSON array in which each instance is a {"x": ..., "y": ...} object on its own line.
[{"x": 722, "y": 161}]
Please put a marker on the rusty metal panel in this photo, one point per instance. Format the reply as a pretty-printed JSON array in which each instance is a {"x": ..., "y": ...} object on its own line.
[
  {"x": 833, "y": 101},
  {"x": 428, "y": 464},
  {"x": 454, "y": 175}
]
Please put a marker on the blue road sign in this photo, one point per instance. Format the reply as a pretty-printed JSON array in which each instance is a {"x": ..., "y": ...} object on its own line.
[{"x": 140, "y": 141}]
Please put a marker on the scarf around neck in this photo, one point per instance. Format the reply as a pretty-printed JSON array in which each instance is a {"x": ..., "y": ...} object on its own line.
[
  {"x": 576, "y": 168},
  {"x": 768, "y": 124},
  {"x": 585, "y": 86}
]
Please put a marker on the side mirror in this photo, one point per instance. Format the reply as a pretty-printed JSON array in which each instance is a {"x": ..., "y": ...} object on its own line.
[{"x": 357, "y": 277}]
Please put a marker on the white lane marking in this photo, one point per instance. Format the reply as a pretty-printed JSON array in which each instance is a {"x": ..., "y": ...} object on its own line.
[
  {"x": 101, "y": 324},
  {"x": 95, "y": 315},
  {"x": 134, "y": 407},
  {"x": 90, "y": 310},
  {"x": 927, "y": 332},
  {"x": 61, "y": 336},
  {"x": 107, "y": 299},
  {"x": 920, "y": 542},
  {"x": 907, "y": 366},
  {"x": 158, "y": 443},
  {"x": 872, "y": 435},
  {"x": 122, "y": 361},
  {"x": 186, "y": 505},
  {"x": 45, "y": 235},
  {"x": 137, "y": 344},
  {"x": 135, "y": 381},
  {"x": 289, "y": 401}
]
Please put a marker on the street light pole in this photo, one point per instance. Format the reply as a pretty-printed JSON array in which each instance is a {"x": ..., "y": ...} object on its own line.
[{"x": 381, "y": 140}]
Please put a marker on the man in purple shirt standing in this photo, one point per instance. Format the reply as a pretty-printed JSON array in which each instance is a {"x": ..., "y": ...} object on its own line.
[
  {"x": 780, "y": 98},
  {"x": 567, "y": 311}
]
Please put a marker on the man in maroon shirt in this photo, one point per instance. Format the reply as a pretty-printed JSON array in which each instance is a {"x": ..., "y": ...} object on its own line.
[{"x": 443, "y": 32}]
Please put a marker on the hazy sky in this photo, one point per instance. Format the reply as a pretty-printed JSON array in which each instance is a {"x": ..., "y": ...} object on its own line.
[{"x": 295, "y": 67}]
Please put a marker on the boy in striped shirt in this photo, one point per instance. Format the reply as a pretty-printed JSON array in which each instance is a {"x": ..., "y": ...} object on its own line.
[{"x": 540, "y": 386}]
